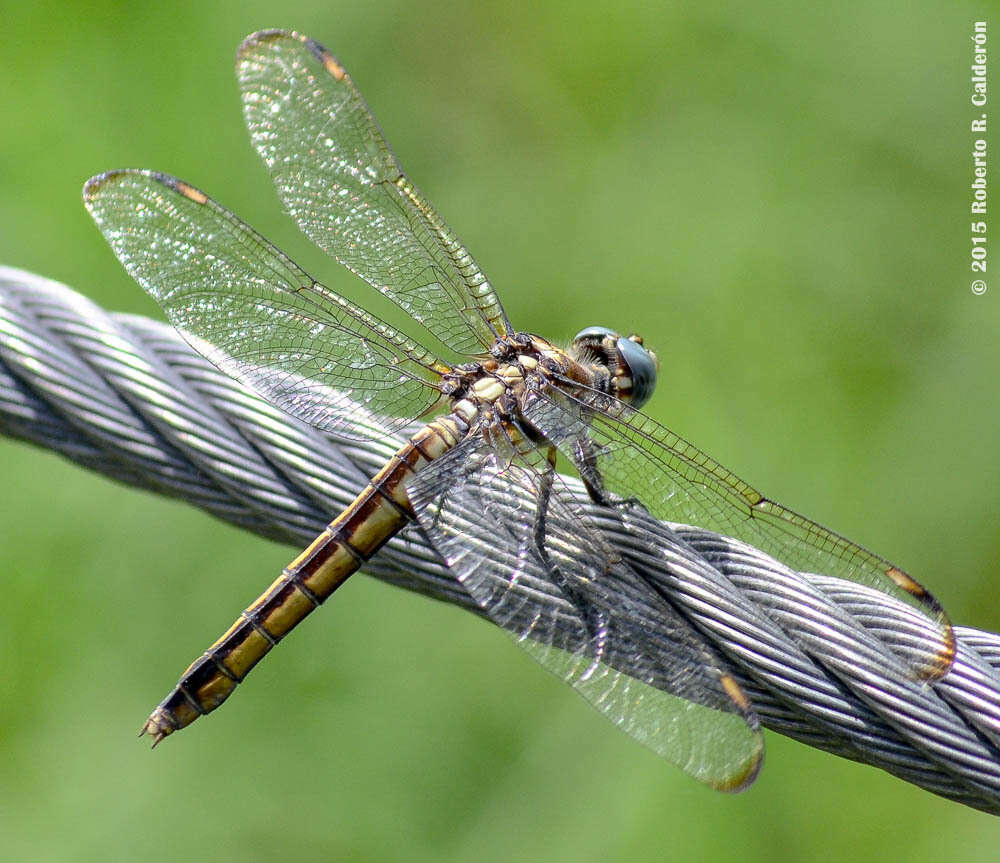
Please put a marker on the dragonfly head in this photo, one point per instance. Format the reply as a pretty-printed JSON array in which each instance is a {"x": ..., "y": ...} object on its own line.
[{"x": 631, "y": 365}]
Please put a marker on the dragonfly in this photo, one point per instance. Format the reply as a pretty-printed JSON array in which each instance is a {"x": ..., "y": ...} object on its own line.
[{"x": 497, "y": 408}]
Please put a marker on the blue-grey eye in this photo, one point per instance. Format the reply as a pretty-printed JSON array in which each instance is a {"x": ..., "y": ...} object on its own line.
[{"x": 641, "y": 365}]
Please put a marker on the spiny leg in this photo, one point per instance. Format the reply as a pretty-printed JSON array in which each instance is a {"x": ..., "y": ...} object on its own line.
[
  {"x": 593, "y": 620},
  {"x": 585, "y": 458}
]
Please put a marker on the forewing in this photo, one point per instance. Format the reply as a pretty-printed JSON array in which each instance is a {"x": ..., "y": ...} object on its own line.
[
  {"x": 583, "y": 613},
  {"x": 341, "y": 183},
  {"x": 638, "y": 459},
  {"x": 255, "y": 313}
]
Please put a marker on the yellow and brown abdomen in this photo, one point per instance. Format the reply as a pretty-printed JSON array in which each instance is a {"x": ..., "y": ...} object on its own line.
[{"x": 350, "y": 540}]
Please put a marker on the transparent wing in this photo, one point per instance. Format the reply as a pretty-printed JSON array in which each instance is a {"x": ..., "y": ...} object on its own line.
[
  {"x": 341, "y": 183},
  {"x": 583, "y": 613},
  {"x": 635, "y": 458},
  {"x": 255, "y": 313}
]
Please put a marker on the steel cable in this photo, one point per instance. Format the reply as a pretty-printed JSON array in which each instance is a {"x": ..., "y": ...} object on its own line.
[{"x": 823, "y": 660}]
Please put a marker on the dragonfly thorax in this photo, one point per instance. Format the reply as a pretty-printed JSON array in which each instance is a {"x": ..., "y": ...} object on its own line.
[
  {"x": 599, "y": 361},
  {"x": 492, "y": 390}
]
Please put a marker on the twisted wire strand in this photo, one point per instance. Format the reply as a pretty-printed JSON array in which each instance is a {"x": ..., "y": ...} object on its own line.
[{"x": 824, "y": 661}]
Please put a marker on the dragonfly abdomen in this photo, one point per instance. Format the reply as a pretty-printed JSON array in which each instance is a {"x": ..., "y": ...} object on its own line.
[{"x": 346, "y": 544}]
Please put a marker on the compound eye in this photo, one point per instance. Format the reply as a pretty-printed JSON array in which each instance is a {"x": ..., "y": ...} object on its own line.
[{"x": 641, "y": 365}]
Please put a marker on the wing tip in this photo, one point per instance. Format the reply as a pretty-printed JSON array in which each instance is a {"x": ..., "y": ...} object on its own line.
[
  {"x": 263, "y": 37},
  {"x": 95, "y": 185},
  {"x": 248, "y": 48},
  {"x": 750, "y": 769},
  {"x": 945, "y": 657},
  {"x": 746, "y": 777}
]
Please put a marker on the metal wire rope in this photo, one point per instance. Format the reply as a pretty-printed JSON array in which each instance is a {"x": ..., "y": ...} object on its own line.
[{"x": 824, "y": 661}]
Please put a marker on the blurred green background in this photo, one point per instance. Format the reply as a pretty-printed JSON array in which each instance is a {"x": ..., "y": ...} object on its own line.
[{"x": 775, "y": 195}]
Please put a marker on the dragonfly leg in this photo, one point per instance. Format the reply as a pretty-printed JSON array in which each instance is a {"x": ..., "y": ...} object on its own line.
[
  {"x": 593, "y": 620},
  {"x": 585, "y": 458}
]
